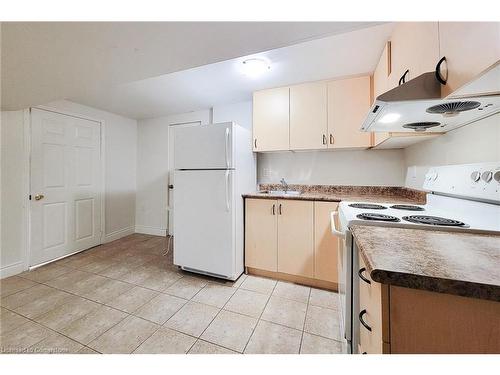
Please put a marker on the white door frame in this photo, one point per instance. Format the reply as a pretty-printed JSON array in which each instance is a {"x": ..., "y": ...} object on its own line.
[{"x": 27, "y": 181}]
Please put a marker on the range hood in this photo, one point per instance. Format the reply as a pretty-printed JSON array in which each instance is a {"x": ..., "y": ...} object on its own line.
[{"x": 417, "y": 104}]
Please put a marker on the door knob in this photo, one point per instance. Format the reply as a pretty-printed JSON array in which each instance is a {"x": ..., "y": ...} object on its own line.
[{"x": 39, "y": 196}]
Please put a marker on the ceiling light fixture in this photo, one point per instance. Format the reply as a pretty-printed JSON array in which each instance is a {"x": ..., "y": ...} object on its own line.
[
  {"x": 389, "y": 118},
  {"x": 255, "y": 67}
]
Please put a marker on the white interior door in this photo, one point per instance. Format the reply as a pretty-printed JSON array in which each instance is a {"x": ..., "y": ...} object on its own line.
[
  {"x": 204, "y": 228},
  {"x": 65, "y": 213},
  {"x": 171, "y": 155}
]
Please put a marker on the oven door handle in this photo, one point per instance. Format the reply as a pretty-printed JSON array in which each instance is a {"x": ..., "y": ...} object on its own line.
[{"x": 335, "y": 231}]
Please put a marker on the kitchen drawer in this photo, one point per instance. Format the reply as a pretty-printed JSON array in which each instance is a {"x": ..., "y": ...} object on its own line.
[{"x": 371, "y": 313}]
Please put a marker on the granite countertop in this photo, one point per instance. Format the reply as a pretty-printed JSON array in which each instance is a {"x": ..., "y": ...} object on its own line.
[
  {"x": 337, "y": 193},
  {"x": 461, "y": 262}
]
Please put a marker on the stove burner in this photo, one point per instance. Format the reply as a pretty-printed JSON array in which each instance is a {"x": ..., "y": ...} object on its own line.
[
  {"x": 433, "y": 220},
  {"x": 368, "y": 206},
  {"x": 378, "y": 217},
  {"x": 408, "y": 207}
]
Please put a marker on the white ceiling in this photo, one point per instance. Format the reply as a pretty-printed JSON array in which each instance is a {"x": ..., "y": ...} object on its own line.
[
  {"x": 46, "y": 61},
  {"x": 341, "y": 55}
]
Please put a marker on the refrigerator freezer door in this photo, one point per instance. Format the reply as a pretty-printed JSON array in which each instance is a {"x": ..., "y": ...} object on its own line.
[
  {"x": 204, "y": 232},
  {"x": 204, "y": 147}
]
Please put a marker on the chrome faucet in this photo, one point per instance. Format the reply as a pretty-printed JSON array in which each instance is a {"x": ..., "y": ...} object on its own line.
[{"x": 284, "y": 184}]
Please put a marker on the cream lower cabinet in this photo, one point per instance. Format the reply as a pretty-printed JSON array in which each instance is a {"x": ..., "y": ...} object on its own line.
[
  {"x": 295, "y": 237},
  {"x": 400, "y": 320},
  {"x": 261, "y": 234},
  {"x": 373, "y": 323},
  {"x": 325, "y": 244},
  {"x": 291, "y": 237}
]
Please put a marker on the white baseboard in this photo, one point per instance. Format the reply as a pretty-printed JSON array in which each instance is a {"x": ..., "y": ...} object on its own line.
[
  {"x": 11, "y": 269},
  {"x": 117, "y": 234},
  {"x": 150, "y": 230}
]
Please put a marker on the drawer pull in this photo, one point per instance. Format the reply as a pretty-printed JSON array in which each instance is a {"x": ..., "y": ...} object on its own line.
[
  {"x": 363, "y": 312},
  {"x": 362, "y": 277}
]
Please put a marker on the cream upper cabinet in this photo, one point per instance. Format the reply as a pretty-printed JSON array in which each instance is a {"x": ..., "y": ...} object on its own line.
[
  {"x": 271, "y": 119},
  {"x": 295, "y": 237},
  {"x": 382, "y": 72},
  {"x": 414, "y": 48},
  {"x": 261, "y": 234},
  {"x": 469, "y": 48},
  {"x": 348, "y": 102},
  {"x": 308, "y": 124},
  {"x": 381, "y": 85},
  {"x": 325, "y": 243}
]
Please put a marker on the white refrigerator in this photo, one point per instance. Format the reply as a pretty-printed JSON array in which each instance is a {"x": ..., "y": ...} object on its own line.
[{"x": 214, "y": 166}]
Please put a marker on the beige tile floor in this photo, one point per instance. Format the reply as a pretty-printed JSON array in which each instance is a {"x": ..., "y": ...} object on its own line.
[{"x": 126, "y": 297}]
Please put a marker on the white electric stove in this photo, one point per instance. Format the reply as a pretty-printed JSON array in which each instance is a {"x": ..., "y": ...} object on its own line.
[{"x": 460, "y": 198}]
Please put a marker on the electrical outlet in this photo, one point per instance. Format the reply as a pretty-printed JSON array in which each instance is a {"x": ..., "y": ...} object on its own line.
[
  {"x": 412, "y": 172},
  {"x": 266, "y": 173}
]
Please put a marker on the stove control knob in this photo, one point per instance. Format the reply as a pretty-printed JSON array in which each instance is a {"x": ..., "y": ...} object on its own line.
[
  {"x": 496, "y": 176},
  {"x": 475, "y": 176},
  {"x": 486, "y": 176}
]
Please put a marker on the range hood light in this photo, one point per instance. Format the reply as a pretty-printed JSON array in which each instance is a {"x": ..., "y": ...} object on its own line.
[{"x": 389, "y": 118}]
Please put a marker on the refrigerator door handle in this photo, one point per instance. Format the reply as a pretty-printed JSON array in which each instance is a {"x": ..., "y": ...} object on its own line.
[
  {"x": 227, "y": 190},
  {"x": 227, "y": 148}
]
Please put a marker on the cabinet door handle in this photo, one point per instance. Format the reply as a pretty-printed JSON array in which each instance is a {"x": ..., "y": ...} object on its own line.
[
  {"x": 274, "y": 209},
  {"x": 363, "y": 312},
  {"x": 331, "y": 139},
  {"x": 439, "y": 76},
  {"x": 279, "y": 209},
  {"x": 255, "y": 143},
  {"x": 324, "y": 139},
  {"x": 362, "y": 277},
  {"x": 403, "y": 77}
]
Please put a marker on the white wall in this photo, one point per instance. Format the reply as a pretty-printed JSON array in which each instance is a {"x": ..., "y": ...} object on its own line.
[
  {"x": 474, "y": 143},
  {"x": 152, "y": 172},
  {"x": 373, "y": 167},
  {"x": 381, "y": 167},
  {"x": 152, "y": 160},
  {"x": 12, "y": 246},
  {"x": 120, "y": 144},
  {"x": 241, "y": 113}
]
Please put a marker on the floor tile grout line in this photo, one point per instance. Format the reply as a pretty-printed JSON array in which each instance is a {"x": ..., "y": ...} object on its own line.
[
  {"x": 83, "y": 316},
  {"x": 163, "y": 291},
  {"x": 199, "y": 338},
  {"x": 211, "y": 343},
  {"x": 260, "y": 316},
  {"x": 90, "y": 312},
  {"x": 51, "y": 329},
  {"x": 305, "y": 319},
  {"x": 216, "y": 315}
]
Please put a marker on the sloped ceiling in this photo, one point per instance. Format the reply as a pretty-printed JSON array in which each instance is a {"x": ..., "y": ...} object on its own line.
[{"x": 46, "y": 61}]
